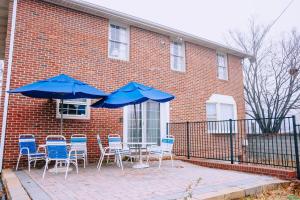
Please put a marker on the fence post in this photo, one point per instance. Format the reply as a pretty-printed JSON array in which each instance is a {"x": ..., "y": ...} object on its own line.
[
  {"x": 188, "y": 139},
  {"x": 231, "y": 141},
  {"x": 296, "y": 146}
]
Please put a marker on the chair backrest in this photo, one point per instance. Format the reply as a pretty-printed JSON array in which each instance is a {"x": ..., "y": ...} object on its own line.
[
  {"x": 167, "y": 143},
  {"x": 114, "y": 141},
  {"x": 100, "y": 144},
  {"x": 56, "y": 147},
  {"x": 27, "y": 143},
  {"x": 79, "y": 142},
  {"x": 78, "y": 138}
]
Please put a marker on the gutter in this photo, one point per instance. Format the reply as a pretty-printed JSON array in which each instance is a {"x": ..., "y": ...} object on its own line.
[{"x": 8, "y": 77}]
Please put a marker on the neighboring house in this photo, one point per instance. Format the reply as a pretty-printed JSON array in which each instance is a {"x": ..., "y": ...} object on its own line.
[{"x": 107, "y": 49}]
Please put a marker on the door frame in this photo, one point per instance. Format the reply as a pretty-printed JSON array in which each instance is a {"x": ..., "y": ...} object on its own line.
[{"x": 164, "y": 119}]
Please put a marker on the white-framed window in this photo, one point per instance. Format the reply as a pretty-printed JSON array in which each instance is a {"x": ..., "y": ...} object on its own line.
[
  {"x": 222, "y": 66},
  {"x": 219, "y": 109},
  {"x": 74, "y": 109},
  {"x": 177, "y": 56},
  {"x": 118, "y": 41}
]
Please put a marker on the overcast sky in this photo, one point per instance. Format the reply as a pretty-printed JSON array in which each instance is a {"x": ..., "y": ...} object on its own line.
[{"x": 210, "y": 19}]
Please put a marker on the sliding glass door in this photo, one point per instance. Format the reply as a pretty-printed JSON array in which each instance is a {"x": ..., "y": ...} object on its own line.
[{"x": 144, "y": 123}]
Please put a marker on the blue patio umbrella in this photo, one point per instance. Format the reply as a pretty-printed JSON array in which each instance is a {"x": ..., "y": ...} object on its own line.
[
  {"x": 131, "y": 94},
  {"x": 59, "y": 87}
]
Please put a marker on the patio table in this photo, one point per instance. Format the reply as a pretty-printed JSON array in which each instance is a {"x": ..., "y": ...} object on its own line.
[{"x": 140, "y": 146}]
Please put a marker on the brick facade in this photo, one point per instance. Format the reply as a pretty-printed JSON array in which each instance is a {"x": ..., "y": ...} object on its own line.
[{"x": 50, "y": 40}]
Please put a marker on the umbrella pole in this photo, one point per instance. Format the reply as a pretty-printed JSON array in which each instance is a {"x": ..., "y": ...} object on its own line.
[{"x": 61, "y": 115}]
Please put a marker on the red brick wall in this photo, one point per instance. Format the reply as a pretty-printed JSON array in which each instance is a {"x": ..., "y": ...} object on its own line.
[{"x": 50, "y": 40}]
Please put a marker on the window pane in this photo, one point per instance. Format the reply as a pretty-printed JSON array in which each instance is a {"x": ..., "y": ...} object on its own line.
[
  {"x": 226, "y": 111},
  {"x": 74, "y": 107},
  {"x": 211, "y": 111},
  {"x": 114, "y": 49},
  {"x": 221, "y": 60},
  {"x": 153, "y": 122},
  {"x": 222, "y": 73}
]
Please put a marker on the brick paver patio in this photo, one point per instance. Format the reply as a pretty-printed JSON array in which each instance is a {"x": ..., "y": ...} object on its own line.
[{"x": 136, "y": 184}]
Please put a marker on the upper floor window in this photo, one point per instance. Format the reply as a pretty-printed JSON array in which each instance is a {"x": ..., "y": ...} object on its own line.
[
  {"x": 74, "y": 109},
  {"x": 222, "y": 66},
  {"x": 118, "y": 43},
  {"x": 177, "y": 56}
]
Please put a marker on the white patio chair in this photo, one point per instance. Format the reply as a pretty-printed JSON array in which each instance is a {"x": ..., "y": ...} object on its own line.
[
  {"x": 115, "y": 146},
  {"x": 79, "y": 144},
  {"x": 165, "y": 149},
  {"x": 57, "y": 151},
  {"x": 27, "y": 147},
  {"x": 104, "y": 151}
]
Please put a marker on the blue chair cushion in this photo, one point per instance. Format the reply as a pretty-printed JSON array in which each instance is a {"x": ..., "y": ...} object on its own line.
[
  {"x": 168, "y": 140},
  {"x": 37, "y": 155},
  {"x": 78, "y": 140}
]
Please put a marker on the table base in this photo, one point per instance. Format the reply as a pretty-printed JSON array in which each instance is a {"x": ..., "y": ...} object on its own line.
[
  {"x": 60, "y": 170},
  {"x": 140, "y": 166}
]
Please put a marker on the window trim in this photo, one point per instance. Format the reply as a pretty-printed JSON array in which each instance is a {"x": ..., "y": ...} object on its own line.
[
  {"x": 66, "y": 116},
  {"x": 219, "y": 99},
  {"x": 183, "y": 52},
  {"x": 226, "y": 66},
  {"x": 164, "y": 119},
  {"x": 127, "y": 27}
]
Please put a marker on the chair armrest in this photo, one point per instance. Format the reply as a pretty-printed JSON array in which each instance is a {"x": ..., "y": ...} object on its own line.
[
  {"x": 72, "y": 150},
  {"x": 105, "y": 149},
  {"x": 153, "y": 146},
  {"x": 25, "y": 148}
]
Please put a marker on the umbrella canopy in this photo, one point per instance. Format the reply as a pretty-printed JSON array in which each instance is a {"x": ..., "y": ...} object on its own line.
[
  {"x": 59, "y": 87},
  {"x": 131, "y": 94}
]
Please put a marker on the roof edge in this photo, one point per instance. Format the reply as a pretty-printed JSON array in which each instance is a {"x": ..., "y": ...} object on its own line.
[{"x": 101, "y": 11}]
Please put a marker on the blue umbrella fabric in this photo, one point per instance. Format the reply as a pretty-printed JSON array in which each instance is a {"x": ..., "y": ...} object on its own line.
[
  {"x": 59, "y": 87},
  {"x": 131, "y": 94}
]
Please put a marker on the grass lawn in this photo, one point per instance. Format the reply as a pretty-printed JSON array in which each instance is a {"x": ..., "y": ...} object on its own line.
[{"x": 288, "y": 192}]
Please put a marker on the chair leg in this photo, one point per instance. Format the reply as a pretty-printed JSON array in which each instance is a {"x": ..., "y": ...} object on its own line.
[
  {"x": 148, "y": 157},
  {"x": 28, "y": 164},
  {"x": 107, "y": 159},
  {"x": 76, "y": 165},
  {"x": 66, "y": 174},
  {"x": 160, "y": 159},
  {"x": 45, "y": 169},
  {"x": 84, "y": 160},
  {"x": 172, "y": 160},
  {"x": 100, "y": 161},
  {"x": 34, "y": 163},
  {"x": 18, "y": 161},
  {"x": 55, "y": 166},
  {"x": 120, "y": 160}
]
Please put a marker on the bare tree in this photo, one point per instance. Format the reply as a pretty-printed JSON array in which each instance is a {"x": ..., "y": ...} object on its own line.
[{"x": 271, "y": 78}]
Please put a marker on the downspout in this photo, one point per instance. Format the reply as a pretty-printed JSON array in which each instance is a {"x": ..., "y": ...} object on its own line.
[{"x": 8, "y": 77}]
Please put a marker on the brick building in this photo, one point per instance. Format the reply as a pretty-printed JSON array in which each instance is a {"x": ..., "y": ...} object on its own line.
[{"x": 107, "y": 49}]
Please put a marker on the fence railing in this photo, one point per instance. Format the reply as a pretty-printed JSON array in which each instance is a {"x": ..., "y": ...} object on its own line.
[{"x": 274, "y": 143}]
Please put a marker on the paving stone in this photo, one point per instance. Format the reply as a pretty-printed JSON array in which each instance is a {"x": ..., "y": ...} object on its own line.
[{"x": 152, "y": 183}]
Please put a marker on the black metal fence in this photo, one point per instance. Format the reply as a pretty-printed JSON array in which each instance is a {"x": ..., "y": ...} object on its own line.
[{"x": 240, "y": 141}]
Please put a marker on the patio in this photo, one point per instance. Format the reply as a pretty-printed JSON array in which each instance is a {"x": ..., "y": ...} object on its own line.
[{"x": 150, "y": 183}]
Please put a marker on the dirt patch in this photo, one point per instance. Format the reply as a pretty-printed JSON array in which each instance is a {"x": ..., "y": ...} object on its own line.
[{"x": 283, "y": 192}]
